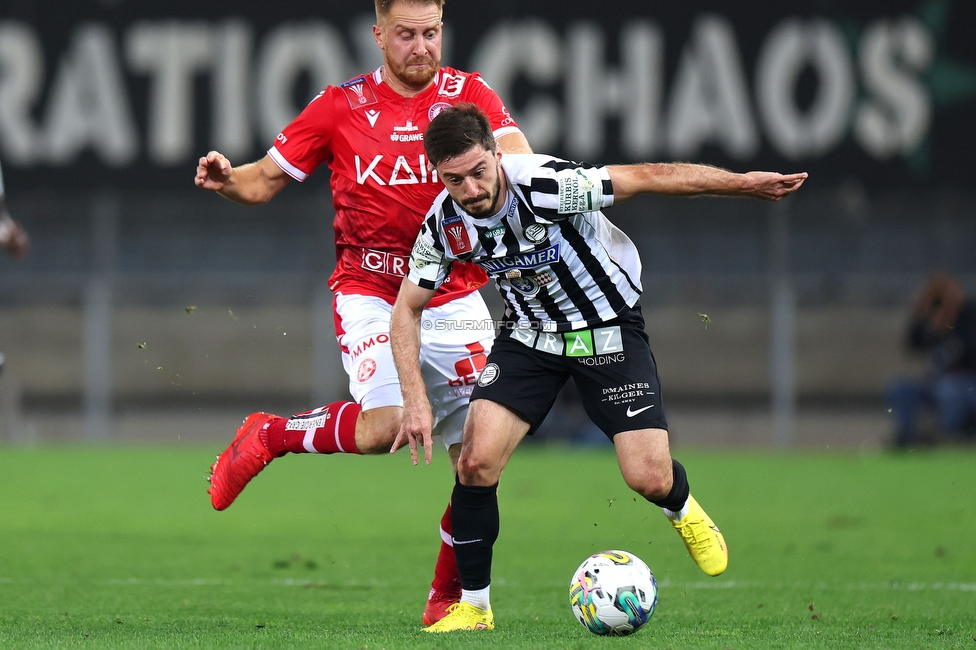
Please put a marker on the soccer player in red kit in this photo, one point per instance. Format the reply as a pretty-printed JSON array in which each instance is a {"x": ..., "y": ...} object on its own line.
[{"x": 369, "y": 132}]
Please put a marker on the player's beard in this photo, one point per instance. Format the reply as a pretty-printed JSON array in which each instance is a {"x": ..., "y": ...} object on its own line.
[
  {"x": 492, "y": 197},
  {"x": 416, "y": 73}
]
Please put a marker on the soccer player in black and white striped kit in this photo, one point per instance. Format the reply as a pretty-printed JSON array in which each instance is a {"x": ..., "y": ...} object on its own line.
[{"x": 571, "y": 284}]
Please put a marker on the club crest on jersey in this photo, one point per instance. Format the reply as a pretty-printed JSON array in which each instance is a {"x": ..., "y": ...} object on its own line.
[
  {"x": 358, "y": 93},
  {"x": 457, "y": 235},
  {"x": 437, "y": 109},
  {"x": 535, "y": 233},
  {"x": 488, "y": 376},
  {"x": 366, "y": 370}
]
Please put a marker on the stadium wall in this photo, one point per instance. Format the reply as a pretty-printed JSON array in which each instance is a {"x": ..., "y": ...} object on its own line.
[{"x": 181, "y": 307}]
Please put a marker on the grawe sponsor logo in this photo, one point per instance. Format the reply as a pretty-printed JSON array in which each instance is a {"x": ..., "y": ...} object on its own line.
[
  {"x": 383, "y": 262},
  {"x": 407, "y": 133}
]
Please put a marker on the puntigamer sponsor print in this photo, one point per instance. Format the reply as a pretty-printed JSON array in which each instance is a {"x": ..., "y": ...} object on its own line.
[
  {"x": 523, "y": 261},
  {"x": 595, "y": 347}
]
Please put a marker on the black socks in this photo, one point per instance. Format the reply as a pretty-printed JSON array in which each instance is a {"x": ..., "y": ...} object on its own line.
[
  {"x": 679, "y": 490},
  {"x": 474, "y": 522}
]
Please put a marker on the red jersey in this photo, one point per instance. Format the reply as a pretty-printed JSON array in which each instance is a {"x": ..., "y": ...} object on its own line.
[{"x": 372, "y": 139}]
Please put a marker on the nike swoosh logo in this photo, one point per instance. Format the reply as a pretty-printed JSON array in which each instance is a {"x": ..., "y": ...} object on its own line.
[
  {"x": 631, "y": 414},
  {"x": 468, "y": 541}
]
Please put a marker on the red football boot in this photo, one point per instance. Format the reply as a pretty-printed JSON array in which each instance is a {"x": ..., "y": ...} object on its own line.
[
  {"x": 240, "y": 462},
  {"x": 437, "y": 604}
]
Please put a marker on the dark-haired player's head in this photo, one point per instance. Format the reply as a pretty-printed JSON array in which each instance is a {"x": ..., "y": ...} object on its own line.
[
  {"x": 460, "y": 145},
  {"x": 455, "y": 130},
  {"x": 409, "y": 33}
]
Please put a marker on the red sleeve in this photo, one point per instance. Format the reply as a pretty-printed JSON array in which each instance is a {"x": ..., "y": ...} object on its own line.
[
  {"x": 478, "y": 92},
  {"x": 306, "y": 143}
]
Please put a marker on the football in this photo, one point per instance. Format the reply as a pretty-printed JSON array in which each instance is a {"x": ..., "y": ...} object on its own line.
[{"x": 613, "y": 593}]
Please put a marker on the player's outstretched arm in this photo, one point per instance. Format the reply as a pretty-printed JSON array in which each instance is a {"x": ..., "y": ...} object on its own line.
[
  {"x": 770, "y": 186},
  {"x": 251, "y": 184},
  {"x": 416, "y": 422},
  {"x": 686, "y": 179}
]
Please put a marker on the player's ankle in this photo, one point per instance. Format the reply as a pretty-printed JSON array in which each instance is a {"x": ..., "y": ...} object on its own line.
[
  {"x": 480, "y": 598},
  {"x": 273, "y": 437}
]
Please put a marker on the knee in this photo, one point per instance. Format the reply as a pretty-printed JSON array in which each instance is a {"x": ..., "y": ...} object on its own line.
[
  {"x": 474, "y": 468},
  {"x": 651, "y": 482}
]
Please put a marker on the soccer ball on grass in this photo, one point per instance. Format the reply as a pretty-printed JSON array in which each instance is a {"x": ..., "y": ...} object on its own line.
[{"x": 613, "y": 593}]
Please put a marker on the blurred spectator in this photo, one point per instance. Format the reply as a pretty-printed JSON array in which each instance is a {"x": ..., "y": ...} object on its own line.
[
  {"x": 943, "y": 326},
  {"x": 13, "y": 237}
]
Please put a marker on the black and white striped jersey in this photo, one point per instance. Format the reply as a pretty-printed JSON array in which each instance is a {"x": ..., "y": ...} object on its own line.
[{"x": 557, "y": 260}]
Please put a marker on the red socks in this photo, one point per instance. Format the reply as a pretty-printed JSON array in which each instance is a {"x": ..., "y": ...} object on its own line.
[
  {"x": 446, "y": 578},
  {"x": 328, "y": 429},
  {"x": 331, "y": 429}
]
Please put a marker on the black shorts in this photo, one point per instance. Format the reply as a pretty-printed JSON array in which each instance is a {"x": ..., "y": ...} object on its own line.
[{"x": 612, "y": 365}]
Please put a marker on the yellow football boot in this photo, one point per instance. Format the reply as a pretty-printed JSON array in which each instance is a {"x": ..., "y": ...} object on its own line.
[
  {"x": 703, "y": 539},
  {"x": 465, "y": 617}
]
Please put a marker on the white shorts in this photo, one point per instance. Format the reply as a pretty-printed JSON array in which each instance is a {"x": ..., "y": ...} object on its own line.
[{"x": 455, "y": 339}]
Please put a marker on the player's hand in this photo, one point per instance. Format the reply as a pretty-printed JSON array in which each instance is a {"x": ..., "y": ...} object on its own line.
[
  {"x": 213, "y": 172},
  {"x": 771, "y": 186},
  {"x": 18, "y": 243},
  {"x": 415, "y": 424}
]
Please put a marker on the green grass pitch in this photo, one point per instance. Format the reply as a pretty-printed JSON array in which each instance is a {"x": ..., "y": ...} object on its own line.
[{"x": 117, "y": 547}]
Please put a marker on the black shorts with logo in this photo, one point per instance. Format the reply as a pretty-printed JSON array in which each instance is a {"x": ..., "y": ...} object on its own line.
[{"x": 612, "y": 365}]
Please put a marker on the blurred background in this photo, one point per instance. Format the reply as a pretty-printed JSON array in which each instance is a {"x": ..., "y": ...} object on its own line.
[{"x": 151, "y": 310}]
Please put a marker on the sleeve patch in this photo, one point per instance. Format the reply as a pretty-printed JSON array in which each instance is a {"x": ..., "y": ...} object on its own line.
[
  {"x": 580, "y": 190},
  {"x": 427, "y": 266},
  {"x": 358, "y": 93},
  {"x": 425, "y": 253}
]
